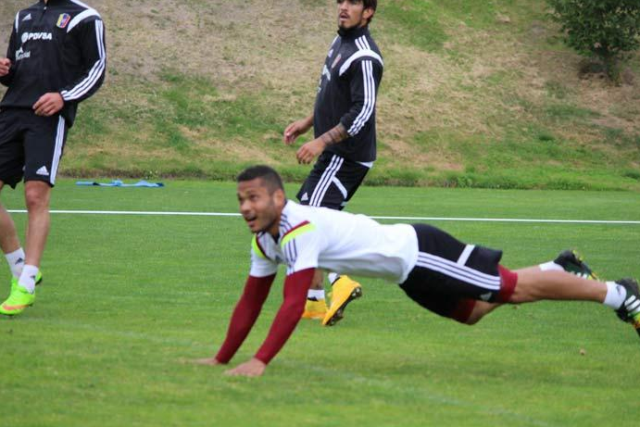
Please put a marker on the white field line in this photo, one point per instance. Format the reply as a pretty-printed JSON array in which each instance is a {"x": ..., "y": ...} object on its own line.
[{"x": 398, "y": 218}]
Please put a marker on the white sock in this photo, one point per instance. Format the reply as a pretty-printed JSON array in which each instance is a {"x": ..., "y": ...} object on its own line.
[
  {"x": 333, "y": 277},
  {"x": 315, "y": 294},
  {"x": 615, "y": 295},
  {"x": 551, "y": 266},
  {"x": 28, "y": 278},
  {"x": 16, "y": 261}
]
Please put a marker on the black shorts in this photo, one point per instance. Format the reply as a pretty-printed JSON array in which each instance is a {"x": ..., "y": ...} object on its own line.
[
  {"x": 332, "y": 182},
  {"x": 30, "y": 146},
  {"x": 450, "y": 275}
]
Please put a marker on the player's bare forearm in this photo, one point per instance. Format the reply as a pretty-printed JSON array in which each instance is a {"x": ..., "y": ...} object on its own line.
[
  {"x": 334, "y": 135},
  {"x": 308, "y": 122},
  {"x": 313, "y": 149}
]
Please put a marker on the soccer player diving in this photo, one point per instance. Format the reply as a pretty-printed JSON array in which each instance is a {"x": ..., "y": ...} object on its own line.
[{"x": 460, "y": 281}]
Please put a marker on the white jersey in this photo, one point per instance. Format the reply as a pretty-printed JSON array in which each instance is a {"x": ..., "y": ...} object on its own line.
[{"x": 312, "y": 237}]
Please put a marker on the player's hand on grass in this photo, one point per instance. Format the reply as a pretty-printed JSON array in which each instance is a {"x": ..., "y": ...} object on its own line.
[
  {"x": 297, "y": 128},
  {"x": 211, "y": 361},
  {"x": 310, "y": 151},
  {"x": 48, "y": 104},
  {"x": 5, "y": 66},
  {"x": 252, "y": 368}
]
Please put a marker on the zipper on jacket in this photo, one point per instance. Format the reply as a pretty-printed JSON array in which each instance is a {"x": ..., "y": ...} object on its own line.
[{"x": 44, "y": 11}]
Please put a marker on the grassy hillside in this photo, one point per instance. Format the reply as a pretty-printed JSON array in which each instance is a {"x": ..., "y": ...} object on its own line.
[{"x": 475, "y": 93}]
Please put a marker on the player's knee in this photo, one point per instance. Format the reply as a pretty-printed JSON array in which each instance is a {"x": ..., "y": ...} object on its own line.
[
  {"x": 467, "y": 319},
  {"x": 467, "y": 311},
  {"x": 471, "y": 320},
  {"x": 479, "y": 311},
  {"x": 36, "y": 198}
]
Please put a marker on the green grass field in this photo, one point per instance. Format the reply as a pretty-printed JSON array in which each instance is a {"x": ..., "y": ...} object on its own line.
[{"x": 127, "y": 299}]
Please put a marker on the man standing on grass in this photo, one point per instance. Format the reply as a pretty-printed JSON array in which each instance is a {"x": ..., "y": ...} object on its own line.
[
  {"x": 456, "y": 280},
  {"x": 56, "y": 59},
  {"x": 344, "y": 124}
]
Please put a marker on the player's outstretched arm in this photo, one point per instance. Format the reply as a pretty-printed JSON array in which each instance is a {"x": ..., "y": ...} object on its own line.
[
  {"x": 243, "y": 318},
  {"x": 296, "y": 286}
]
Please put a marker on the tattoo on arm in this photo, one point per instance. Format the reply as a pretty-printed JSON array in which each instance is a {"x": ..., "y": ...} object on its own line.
[{"x": 334, "y": 135}]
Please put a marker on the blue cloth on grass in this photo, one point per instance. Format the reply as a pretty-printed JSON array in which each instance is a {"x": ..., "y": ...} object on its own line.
[{"x": 119, "y": 183}]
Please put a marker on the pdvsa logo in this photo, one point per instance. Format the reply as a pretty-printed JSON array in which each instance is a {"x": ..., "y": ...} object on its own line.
[
  {"x": 21, "y": 54},
  {"x": 36, "y": 36}
]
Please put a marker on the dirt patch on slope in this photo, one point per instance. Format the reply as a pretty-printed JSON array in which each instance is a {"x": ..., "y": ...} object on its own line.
[{"x": 479, "y": 83}]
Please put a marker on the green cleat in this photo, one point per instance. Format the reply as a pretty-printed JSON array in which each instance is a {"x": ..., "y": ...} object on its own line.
[
  {"x": 572, "y": 262},
  {"x": 19, "y": 299},
  {"x": 630, "y": 310},
  {"x": 14, "y": 281}
]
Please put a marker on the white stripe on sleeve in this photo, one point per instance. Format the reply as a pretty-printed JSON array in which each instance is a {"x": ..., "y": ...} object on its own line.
[
  {"x": 96, "y": 72},
  {"x": 369, "y": 99},
  {"x": 81, "y": 17}
]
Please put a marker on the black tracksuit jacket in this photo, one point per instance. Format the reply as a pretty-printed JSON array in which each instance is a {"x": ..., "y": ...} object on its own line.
[
  {"x": 347, "y": 94},
  {"x": 55, "y": 47}
]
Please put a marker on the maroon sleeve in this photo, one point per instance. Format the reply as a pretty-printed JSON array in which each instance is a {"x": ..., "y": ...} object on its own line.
[
  {"x": 296, "y": 286},
  {"x": 245, "y": 314}
]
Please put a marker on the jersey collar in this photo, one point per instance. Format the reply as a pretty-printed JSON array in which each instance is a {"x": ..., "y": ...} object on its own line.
[
  {"x": 286, "y": 211},
  {"x": 354, "y": 33}
]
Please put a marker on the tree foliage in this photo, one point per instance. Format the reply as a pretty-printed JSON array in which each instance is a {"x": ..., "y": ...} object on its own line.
[{"x": 605, "y": 29}]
